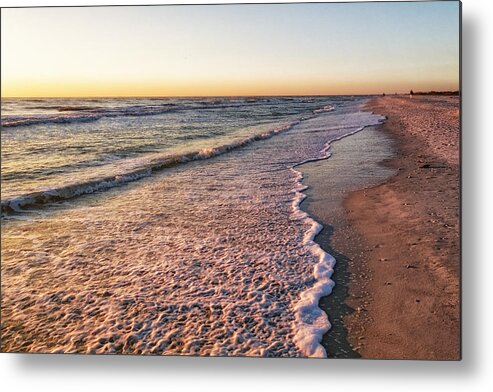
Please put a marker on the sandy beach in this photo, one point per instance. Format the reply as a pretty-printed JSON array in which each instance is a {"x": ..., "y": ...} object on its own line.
[{"x": 400, "y": 240}]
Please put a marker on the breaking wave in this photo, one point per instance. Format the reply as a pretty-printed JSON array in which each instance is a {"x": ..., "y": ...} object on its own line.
[{"x": 36, "y": 199}]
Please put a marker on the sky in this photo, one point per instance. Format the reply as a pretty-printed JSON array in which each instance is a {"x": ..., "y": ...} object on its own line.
[{"x": 219, "y": 50}]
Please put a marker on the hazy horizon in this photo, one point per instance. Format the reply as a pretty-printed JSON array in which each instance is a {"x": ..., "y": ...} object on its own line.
[
  {"x": 222, "y": 96},
  {"x": 319, "y": 49}
]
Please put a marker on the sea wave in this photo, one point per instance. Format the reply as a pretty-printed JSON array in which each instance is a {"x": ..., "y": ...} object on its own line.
[
  {"x": 67, "y": 108},
  {"x": 73, "y": 114},
  {"x": 328, "y": 108},
  {"x": 65, "y": 192},
  {"x": 87, "y": 113}
]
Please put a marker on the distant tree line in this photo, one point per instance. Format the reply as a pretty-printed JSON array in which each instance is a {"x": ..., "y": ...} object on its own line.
[{"x": 437, "y": 93}]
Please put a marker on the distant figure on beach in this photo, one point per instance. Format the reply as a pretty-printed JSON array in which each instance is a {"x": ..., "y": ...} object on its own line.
[
  {"x": 383, "y": 94},
  {"x": 411, "y": 93}
]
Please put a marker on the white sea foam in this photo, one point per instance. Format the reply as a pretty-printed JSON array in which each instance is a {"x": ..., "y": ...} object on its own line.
[
  {"x": 310, "y": 321},
  {"x": 327, "y": 108}
]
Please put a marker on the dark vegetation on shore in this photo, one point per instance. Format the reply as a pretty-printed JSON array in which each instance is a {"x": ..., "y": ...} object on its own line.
[{"x": 437, "y": 93}]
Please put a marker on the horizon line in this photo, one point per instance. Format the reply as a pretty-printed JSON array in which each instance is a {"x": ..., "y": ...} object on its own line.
[{"x": 225, "y": 96}]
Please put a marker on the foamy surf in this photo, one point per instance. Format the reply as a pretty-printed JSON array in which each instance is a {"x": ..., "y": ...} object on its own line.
[
  {"x": 327, "y": 108},
  {"x": 311, "y": 322}
]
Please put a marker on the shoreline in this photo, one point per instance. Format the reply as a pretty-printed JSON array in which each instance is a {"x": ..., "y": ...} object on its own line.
[
  {"x": 329, "y": 181},
  {"x": 397, "y": 242}
]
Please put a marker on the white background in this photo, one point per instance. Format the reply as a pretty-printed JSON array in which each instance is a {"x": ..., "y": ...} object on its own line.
[{"x": 473, "y": 373}]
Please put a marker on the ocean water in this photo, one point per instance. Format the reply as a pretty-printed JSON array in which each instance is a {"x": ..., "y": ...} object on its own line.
[
  {"x": 72, "y": 146},
  {"x": 165, "y": 226}
]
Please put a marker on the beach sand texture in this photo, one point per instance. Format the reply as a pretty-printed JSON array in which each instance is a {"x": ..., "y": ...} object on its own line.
[{"x": 409, "y": 277}]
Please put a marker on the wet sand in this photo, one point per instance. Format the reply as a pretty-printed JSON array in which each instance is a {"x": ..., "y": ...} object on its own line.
[{"x": 397, "y": 243}]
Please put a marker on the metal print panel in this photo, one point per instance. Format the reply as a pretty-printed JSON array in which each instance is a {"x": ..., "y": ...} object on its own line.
[{"x": 268, "y": 180}]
